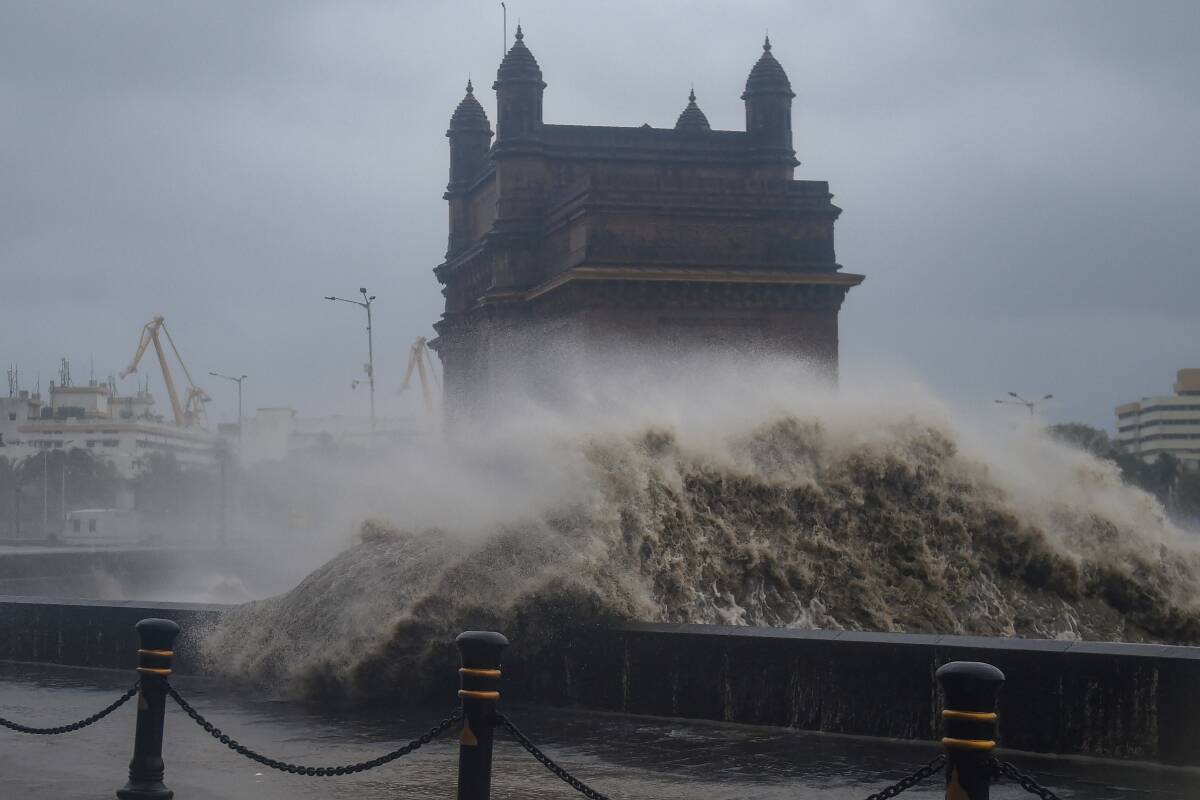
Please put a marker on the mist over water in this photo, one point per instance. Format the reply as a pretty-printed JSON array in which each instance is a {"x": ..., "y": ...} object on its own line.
[{"x": 713, "y": 489}]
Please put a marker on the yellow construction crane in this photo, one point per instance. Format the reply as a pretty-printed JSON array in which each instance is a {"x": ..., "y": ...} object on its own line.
[
  {"x": 420, "y": 362},
  {"x": 190, "y": 412}
]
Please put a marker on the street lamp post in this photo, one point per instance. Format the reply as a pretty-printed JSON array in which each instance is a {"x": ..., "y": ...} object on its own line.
[
  {"x": 46, "y": 483},
  {"x": 1032, "y": 405},
  {"x": 366, "y": 304},
  {"x": 62, "y": 493},
  {"x": 238, "y": 381}
]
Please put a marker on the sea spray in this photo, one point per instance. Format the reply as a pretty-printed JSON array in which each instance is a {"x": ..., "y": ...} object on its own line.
[{"x": 780, "y": 507}]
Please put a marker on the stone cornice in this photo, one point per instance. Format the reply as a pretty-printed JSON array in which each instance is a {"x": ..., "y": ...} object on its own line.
[{"x": 685, "y": 275}]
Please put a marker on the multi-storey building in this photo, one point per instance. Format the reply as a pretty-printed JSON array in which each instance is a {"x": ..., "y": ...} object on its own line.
[
  {"x": 569, "y": 241},
  {"x": 1164, "y": 424},
  {"x": 121, "y": 430},
  {"x": 16, "y": 410}
]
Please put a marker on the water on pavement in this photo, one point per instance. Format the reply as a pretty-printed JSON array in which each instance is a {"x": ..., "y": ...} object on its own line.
[{"x": 625, "y": 757}]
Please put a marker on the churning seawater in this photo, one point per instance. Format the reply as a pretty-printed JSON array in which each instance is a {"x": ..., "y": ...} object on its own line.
[{"x": 736, "y": 493}]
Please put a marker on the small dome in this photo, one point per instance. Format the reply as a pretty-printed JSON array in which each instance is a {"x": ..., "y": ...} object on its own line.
[
  {"x": 470, "y": 116},
  {"x": 767, "y": 76},
  {"x": 518, "y": 64},
  {"x": 692, "y": 119}
]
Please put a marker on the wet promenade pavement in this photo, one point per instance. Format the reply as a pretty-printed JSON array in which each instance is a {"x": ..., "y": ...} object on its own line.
[{"x": 625, "y": 757}]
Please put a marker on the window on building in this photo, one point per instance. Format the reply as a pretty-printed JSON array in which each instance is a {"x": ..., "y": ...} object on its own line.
[
  {"x": 91, "y": 526},
  {"x": 91, "y": 442},
  {"x": 12, "y": 417},
  {"x": 111, "y": 442},
  {"x": 75, "y": 525}
]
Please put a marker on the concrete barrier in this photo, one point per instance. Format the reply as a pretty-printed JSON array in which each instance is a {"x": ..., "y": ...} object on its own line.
[
  {"x": 94, "y": 633},
  {"x": 1128, "y": 701}
]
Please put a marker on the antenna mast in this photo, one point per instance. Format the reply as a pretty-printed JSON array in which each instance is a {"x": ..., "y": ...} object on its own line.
[{"x": 504, "y": 41}]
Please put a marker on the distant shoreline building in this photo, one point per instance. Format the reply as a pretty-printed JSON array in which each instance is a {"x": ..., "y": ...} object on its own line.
[
  {"x": 1165, "y": 423},
  {"x": 568, "y": 240},
  {"x": 117, "y": 429},
  {"x": 275, "y": 434}
]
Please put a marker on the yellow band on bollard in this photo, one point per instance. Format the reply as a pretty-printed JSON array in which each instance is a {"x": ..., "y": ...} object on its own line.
[
  {"x": 478, "y": 695},
  {"x": 163, "y": 653},
  {"x": 479, "y": 673},
  {"x": 153, "y": 671},
  {"x": 974, "y": 716},
  {"x": 969, "y": 744}
]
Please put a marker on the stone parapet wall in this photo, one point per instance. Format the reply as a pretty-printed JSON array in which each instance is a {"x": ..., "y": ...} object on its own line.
[
  {"x": 1113, "y": 700},
  {"x": 95, "y": 633},
  {"x": 1127, "y": 701}
]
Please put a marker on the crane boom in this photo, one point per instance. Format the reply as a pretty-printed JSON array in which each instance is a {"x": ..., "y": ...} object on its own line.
[
  {"x": 417, "y": 358},
  {"x": 186, "y": 413}
]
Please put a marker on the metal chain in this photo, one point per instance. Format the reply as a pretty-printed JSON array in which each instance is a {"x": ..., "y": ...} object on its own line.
[
  {"x": 546, "y": 762},
  {"x": 74, "y": 726},
  {"x": 320, "y": 772},
  {"x": 929, "y": 770},
  {"x": 1027, "y": 783}
]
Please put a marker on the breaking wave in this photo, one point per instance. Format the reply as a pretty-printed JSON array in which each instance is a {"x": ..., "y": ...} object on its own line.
[{"x": 867, "y": 509}]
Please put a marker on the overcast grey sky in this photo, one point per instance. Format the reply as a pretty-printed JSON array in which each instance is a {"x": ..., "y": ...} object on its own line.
[{"x": 1019, "y": 179}]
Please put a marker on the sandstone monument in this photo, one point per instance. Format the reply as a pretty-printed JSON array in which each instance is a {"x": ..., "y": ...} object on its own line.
[{"x": 569, "y": 239}]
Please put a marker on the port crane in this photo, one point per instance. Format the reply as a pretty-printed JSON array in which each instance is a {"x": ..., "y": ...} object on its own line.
[
  {"x": 190, "y": 412},
  {"x": 420, "y": 362}
]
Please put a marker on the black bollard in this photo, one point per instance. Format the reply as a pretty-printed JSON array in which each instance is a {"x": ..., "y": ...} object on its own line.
[
  {"x": 969, "y": 691},
  {"x": 478, "y": 676},
  {"x": 157, "y": 638}
]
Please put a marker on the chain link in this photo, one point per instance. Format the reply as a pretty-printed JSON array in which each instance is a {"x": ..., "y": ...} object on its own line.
[
  {"x": 546, "y": 761},
  {"x": 320, "y": 772},
  {"x": 74, "y": 726},
  {"x": 999, "y": 768},
  {"x": 1027, "y": 783},
  {"x": 932, "y": 768}
]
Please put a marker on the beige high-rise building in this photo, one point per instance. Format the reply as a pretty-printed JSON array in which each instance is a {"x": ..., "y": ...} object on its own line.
[{"x": 1165, "y": 423}]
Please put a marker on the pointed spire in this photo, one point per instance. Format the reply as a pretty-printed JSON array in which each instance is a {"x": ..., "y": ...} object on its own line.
[
  {"x": 767, "y": 76},
  {"x": 469, "y": 115},
  {"x": 519, "y": 64},
  {"x": 692, "y": 120}
]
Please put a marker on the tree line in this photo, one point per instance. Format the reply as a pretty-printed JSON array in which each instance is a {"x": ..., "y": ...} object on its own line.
[
  {"x": 35, "y": 491},
  {"x": 1177, "y": 488}
]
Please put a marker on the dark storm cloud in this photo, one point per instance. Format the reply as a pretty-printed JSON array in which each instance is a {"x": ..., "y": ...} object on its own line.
[{"x": 1018, "y": 179}]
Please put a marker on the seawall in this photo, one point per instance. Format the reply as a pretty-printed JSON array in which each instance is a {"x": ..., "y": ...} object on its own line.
[
  {"x": 1128, "y": 701},
  {"x": 1114, "y": 700},
  {"x": 95, "y": 633}
]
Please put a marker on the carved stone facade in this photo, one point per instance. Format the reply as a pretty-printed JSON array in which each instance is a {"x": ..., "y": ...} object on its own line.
[{"x": 568, "y": 240}]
